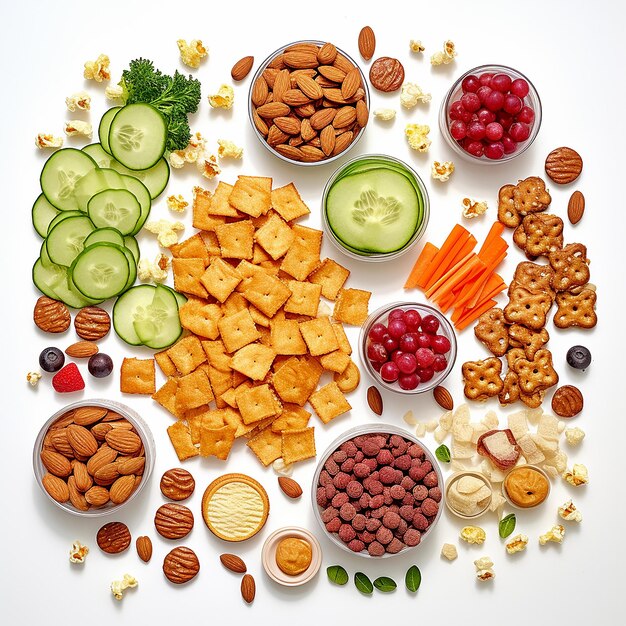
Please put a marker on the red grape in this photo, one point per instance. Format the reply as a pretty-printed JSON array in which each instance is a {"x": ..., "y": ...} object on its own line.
[
  {"x": 519, "y": 132},
  {"x": 377, "y": 332},
  {"x": 408, "y": 382},
  {"x": 494, "y": 150},
  {"x": 425, "y": 374},
  {"x": 494, "y": 131},
  {"x": 486, "y": 116},
  {"x": 396, "y": 314},
  {"x": 390, "y": 343},
  {"x": 423, "y": 340},
  {"x": 485, "y": 79},
  {"x": 494, "y": 100},
  {"x": 470, "y": 102},
  {"x": 526, "y": 115},
  {"x": 396, "y": 328},
  {"x": 470, "y": 84},
  {"x": 412, "y": 319},
  {"x": 475, "y": 148},
  {"x": 408, "y": 343},
  {"x": 501, "y": 82},
  {"x": 509, "y": 145},
  {"x": 440, "y": 344},
  {"x": 376, "y": 352},
  {"x": 407, "y": 363},
  {"x": 512, "y": 104},
  {"x": 389, "y": 372},
  {"x": 430, "y": 324},
  {"x": 440, "y": 363},
  {"x": 520, "y": 88},
  {"x": 425, "y": 357},
  {"x": 476, "y": 130},
  {"x": 458, "y": 129}
]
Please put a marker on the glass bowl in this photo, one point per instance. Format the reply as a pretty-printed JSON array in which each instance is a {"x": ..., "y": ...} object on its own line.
[
  {"x": 140, "y": 428},
  {"x": 420, "y": 228},
  {"x": 381, "y": 315},
  {"x": 369, "y": 429},
  {"x": 455, "y": 92},
  {"x": 457, "y": 476},
  {"x": 272, "y": 58}
]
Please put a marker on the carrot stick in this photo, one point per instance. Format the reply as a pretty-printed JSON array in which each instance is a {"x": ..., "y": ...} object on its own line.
[
  {"x": 472, "y": 314},
  {"x": 457, "y": 314},
  {"x": 480, "y": 282},
  {"x": 469, "y": 267},
  {"x": 496, "y": 248},
  {"x": 494, "y": 281},
  {"x": 493, "y": 292},
  {"x": 440, "y": 281},
  {"x": 448, "y": 261},
  {"x": 468, "y": 247},
  {"x": 496, "y": 230},
  {"x": 425, "y": 257},
  {"x": 454, "y": 235}
]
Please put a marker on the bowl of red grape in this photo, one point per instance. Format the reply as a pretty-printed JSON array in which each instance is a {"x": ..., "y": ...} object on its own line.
[
  {"x": 491, "y": 114},
  {"x": 408, "y": 347}
]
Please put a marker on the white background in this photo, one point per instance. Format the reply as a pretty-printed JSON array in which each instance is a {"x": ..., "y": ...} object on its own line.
[{"x": 573, "y": 53}]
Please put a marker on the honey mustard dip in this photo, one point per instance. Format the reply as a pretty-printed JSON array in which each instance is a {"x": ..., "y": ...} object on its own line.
[
  {"x": 526, "y": 487},
  {"x": 293, "y": 556}
]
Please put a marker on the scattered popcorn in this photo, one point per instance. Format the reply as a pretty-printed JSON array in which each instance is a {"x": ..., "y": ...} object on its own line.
[
  {"x": 415, "y": 45},
  {"x": 442, "y": 171},
  {"x": 78, "y": 552},
  {"x": 448, "y": 551},
  {"x": 114, "y": 92},
  {"x": 228, "y": 150},
  {"x": 153, "y": 272},
  {"x": 282, "y": 468},
  {"x": 98, "y": 70},
  {"x": 420, "y": 430},
  {"x": 79, "y": 100},
  {"x": 78, "y": 127},
  {"x": 555, "y": 534},
  {"x": 194, "y": 150},
  {"x": 574, "y": 436},
  {"x": 412, "y": 94},
  {"x": 223, "y": 99},
  {"x": 579, "y": 475},
  {"x": 384, "y": 115},
  {"x": 516, "y": 544},
  {"x": 484, "y": 569},
  {"x": 177, "y": 203},
  {"x": 473, "y": 208},
  {"x": 44, "y": 140},
  {"x": 33, "y": 378},
  {"x": 445, "y": 56},
  {"x": 207, "y": 166},
  {"x": 165, "y": 231},
  {"x": 445, "y": 421},
  {"x": 192, "y": 53},
  {"x": 570, "y": 513},
  {"x": 409, "y": 418},
  {"x": 119, "y": 586},
  {"x": 473, "y": 534},
  {"x": 417, "y": 136}
]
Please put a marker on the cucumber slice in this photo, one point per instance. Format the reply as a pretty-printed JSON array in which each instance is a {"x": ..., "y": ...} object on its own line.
[
  {"x": 132, "y": 267},
  {"x": 136, "y": 298},
  {"x": 47, "y": 275},
  {"x": 66, "y": 240},
  {"x": 99, "y": 155},
  {"x": 67, "y": 292},
  {"x": 60, "y": 174},
  {"x": 180, "y": 298},
  {"x": 63, "y": 215},
  {"x": 42, "y": 214},
  {"x": 131, "y": 243},
  {"x": 137, "y": 136},
  {"x": 155, "y": 179},
  {"x": 139, "y": 190},
  {"x": 43, "y": 254},
  {"x": 158, "y": 326},
  {"x": 114, "y": 207},
  {"x": 99, "y": 180},
  {"x": 100, "y": 271},
  {"x": 105, "y": 126},
  {"x": 107, "y": 234}
]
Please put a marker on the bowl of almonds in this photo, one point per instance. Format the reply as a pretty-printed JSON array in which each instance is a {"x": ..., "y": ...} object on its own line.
[
  {"x": 93, "y": 456},
  {"x": 309, "y": 103}
]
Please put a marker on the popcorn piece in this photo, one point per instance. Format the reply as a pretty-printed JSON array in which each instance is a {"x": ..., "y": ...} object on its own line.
[
  {"x": 98, "y": 70},
  {"x": 578, "y": 476},
  {"x": 555, "y": 534},
  {"x": 415, "y": 45},
  {"x": 79, "y": 100},
  {"x": 208, "y": 167},
  {"x": 165, "y": 231},
  {"x": 417, "y": 136},
  {"x": 473, "y": 534},
  {"x": 195, "y": 150},
  {"x": 448, "y": 551},
  {"x": 153, "y": 272},
  {"x": 561, "y": 426},
  {"x": 177, "y": 203},
  {"x": 420, "y": 430},
  {"x": 516, "y": 544},
  {"x": 192, "y": 53},
  {"x": 574, "y": 436},
  {"x": 484, "y": 569},
  {"x": 33, "y": 378},
  {"x": 113, "y": 92},
  {"x": 570, "y": 513},
  {"x": 445, "y": 56},
  {"x": 445, "y": 421},
  {"x": 228, "y": 150},
  {"x": 119, "y": 586},
  {"x": 442, "y": 171},
  {"x": 412, "y": 94},
  {"x": 78, "y": 127},
  {"x": 45, "y": 140},
  {"x": 282, "y": 468},
  {"x": 384, "y": 115},
  {"x": 223, "y": 99},
  {"x": 78, "y": 552},
  {"x": 440, "y": 434},
  {"x": 409, "y": 418},
  {"x": 473, "y": 208},
  {"x": 431, "y": 426}
]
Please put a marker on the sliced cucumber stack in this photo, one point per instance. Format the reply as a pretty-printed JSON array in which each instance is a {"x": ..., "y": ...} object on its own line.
[
  {"x": 42, "y": 214},
  {"x": 101, "y": 271}
]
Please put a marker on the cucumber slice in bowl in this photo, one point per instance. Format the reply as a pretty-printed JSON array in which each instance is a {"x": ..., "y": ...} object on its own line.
[
  {"x": 137, "y": 136},
  {"x": 65, "y": 241},
  {"x": 100, "y": 271},
  {"x": 117, "y": 208},
  {"x": 42, "y": 214}
]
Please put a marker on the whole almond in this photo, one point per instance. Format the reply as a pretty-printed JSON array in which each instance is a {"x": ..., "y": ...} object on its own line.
[
  {"x": 306, "y": 110},
  {"x": 65, "y": 420},
  {"x": 92, "y": 323},
  {"x": 576, "y": 207},
  {"x": 97, "y": 496},
  {"x": 290, "y": 152},
  {"x": 296, "y": 141},
  {"x": 248, "y": 588},
  {"x": 322, "y": 118},
  {"x": 311, "y": 154},
  {"x": 300, "y": 59},
  {"x": 332, "y": 73},
  {"x": 82, "y": 441},
  {"x": 270, "y": 74},
  {"x": 87, "y": 415},
  {"x": 281, "y": 85},
  {"x": 309, "y": 87},
  {"x": 100, "y": 430},
  {"x": 313, "y": 48},
  {"x": 82, "y": 477},
  {"x": 277, "y": 63},
  {"x": 327, "y": 54},
  {"x": 443, "y": 398},
  {"x": 77, "y": 498},
  {"x": 295, "y": 98},
  {"x": 260, "y": 124},
  {"x": 242, "y": 68},
  {"x": 124, "y": 441},
  {"x": 342, "y": 63},
  {"x": 343, "y": 141},
  {"x": 334, "y": 97},
  {"x": 56, "y": 488},
  {"x": 351, "y": 83},
  {"x": 121, "y": 489},
  {"x": 289, "y": 487},
  {"x": 82, "y": 349},
  {"x": 324, "y": 82},
  {"x": 233, "y": 563},
  {"x": 375, "y": 400},
  {"x": 273, "y": 109},
  {"x": 307, "y": 132},
  {"x": 131, "y": 465},
  {"x": 345, "y": 116},
  {"x": 276, "y": 136},
  {"x": 327, "y": 140},
  {"x": 362, "y": 113},
  {"x": 259, "y": 91},
  {"x": 61, "y": 443},
  {"x": 56, "y": 463},
  {"x": 144, "y": 548},
  {"x": 367, "y": 43},
  {"x": 289, "y": 125},
  {"x": 293, "y": 76},
  {"x": 51, "y": 316},
  {"x": 102, "y": 457},
  {"x": 106, "y": 475}
]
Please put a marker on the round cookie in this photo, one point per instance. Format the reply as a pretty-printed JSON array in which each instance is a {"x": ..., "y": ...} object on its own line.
[
  {"x": 181, "y": 565},
  {"x": 386, "y": 74},
  {"x": 567, "y": 401},
  {"x": 177, "y": 484},
  {"x": 113, "y": 538},
  {"x": 563, "y": 165},
  {"x": 293, "y": 555},
  {"x": 173, "y": 521}
]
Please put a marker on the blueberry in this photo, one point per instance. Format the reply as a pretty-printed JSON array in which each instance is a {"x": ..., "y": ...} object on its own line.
[
  {"x": 100, "y": 365},
  {"x": 579, "y": 357},
  {"x": 51, "y": 359}
]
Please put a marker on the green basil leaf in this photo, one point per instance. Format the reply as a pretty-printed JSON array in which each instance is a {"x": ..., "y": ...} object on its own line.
[
  {"x": 506, "y": 525},
  {"x": 385, "y": 584},
  {"x": 363, "y": 583},
  {"x": 443, "y": 453},
  {"x": 336, "y": 574},
  {"x": 413, "y": 578}
]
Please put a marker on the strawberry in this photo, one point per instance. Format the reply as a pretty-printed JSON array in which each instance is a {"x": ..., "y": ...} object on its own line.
[{"x": 68, "y": 379}]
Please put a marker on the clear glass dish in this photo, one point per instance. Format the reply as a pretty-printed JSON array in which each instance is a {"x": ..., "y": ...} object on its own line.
[{"x": 457, "y": 476}]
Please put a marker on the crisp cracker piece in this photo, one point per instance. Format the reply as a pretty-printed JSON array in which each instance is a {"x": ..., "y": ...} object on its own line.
[
  {"x": 200, "y": 317},
  {"x": 194, "y": 418},
  {"x": 253, "y": 360},
  {"x": 257, "y": 403},
  {"x": 238, "y": 330},
  {"x": 193, "y": 391},
  {"x": 331, "y": 276},
  {"x": 219, "y": 204},
  {"x": 251, "y": 195},
  {"x": 236, "y": 239},
  {"x": 191, "y": 248},
  {"x": 349, "y": 379},
  {"x": 298, "y": 445},
  {"x": 319, "y": 336},
  {"x": 304, "y": 299},
  {"x": 234, "y": 303},
  {"x": 230, "y": 398},
  {"x": 266, "y": 445},
  {"x": 286, "y": 337},
  {"x": 238, "y": 379},
  {"x": 336, "y": 361},
  {"x": 180, "y": 436},
  {"x": 201, "y": 218},
  {"x": 267, "y": 293},
  {"x": 293, "y": 417},
  {"x": 266, "y": 338},
  {"x": 220, "y": 383},
  {"x": 187, "y": 274},
  {"x": 247, "y": 271},
  {"x": 342, "y": 338},
  {"x": 211, "y": 243},
  {"x": 304, "y": 254},
  {"x": 137, "y": 376},
  {"x": 286, "y": 201},
  {"x": 187, "y": 354},
  {"x": 216, "y": 355},
  {"x": 297, "y": 379},
  {"x": 275, "y": 236},
  {"x": 166, "y": 397},
  {"x": 258, "y": 317},
  {"x": 220, "y": 279},
  {"x": 214, "y": 418},
  {"x": 259, "y": 255},
  {"x": 165, "y": 363},
  {"x": 351, "y": 306},
  {"x": 217, "y": 441},
  {"x": 329, "y": 402}
]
